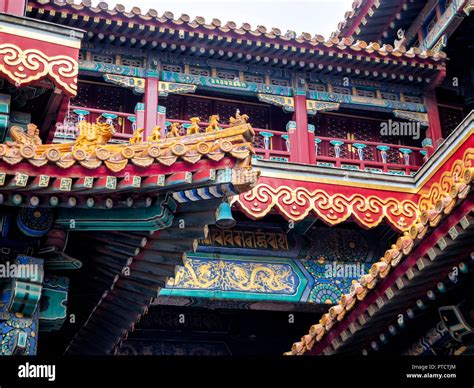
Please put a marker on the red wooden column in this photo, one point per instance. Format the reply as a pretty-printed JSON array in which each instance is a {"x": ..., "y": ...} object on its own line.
[
  {"x": 151, "y": 103},
  {"x": 434, "y": 131},
  {"x": 302, "y": 146},
  {"x": 13, "y": 7}
]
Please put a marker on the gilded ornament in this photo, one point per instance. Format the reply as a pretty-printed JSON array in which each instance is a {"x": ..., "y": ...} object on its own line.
[
  {"x": 194, "y": 127},
  {"x": 213, "y": 123},
  {"x": 238, "y": 119},
  {"x": 225, "y": 146},
  {"x": 153, "y": 151},
  {"x": 155, "y": 134},
  {"x": 137, "y": 136},
  {"x": 203, "y": 148},
  {"x": 174, "y": 130}
]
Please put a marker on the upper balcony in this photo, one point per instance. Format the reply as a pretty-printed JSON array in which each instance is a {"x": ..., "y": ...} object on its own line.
[{"x": 349, "y": 152}]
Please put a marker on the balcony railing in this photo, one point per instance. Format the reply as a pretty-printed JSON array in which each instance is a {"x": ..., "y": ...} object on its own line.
[
  {"x": 124, "y": 123},
  {"x": 340, "y": 153},
  {"x": 368, "y": 156},
  {"x": 273, "y": 145},
  {"x": 345, "y": 153}
]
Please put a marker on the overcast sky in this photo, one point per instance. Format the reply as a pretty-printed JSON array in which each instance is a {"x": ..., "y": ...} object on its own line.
[{"x": 313, "y": 16}]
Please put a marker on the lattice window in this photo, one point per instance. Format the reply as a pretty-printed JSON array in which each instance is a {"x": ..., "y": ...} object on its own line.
[
  {"x": 228, "y": 74},
  {"x": 337, "y": 127},
  {"x": 339, "y": 90},
  {"x": 413, "y": 99},
  {"x": 171, "y": 68},
  {"x": 83, "y": 97},
  {"x": 280, "y": 82},
  {"x": 258, "y": 115},
  {"x": 225, "y": 110},
  {"x": 197, "y": 107},
  {"x": 199, "y": 71},
  {"x": 258, "y": 79},
  {"x": 134, "y": 62},
  {"x": 258, "y": 141},
  {"x": 102, "y": 58},
  {"x": 450, "y": 119},
  {"x": 365, "y": 130},
  {"x": 173, "y": 107},
  {"x": 365, "y": 93},
  {"x": 317, "y": 87},
  {"x": 389, "y": 96}
]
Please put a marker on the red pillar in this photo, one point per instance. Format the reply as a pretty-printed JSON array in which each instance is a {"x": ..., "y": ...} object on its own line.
[
  {"x": 13, "y": 7},
  {"x": 301, "y": 138},
  {"x": 434, "y": 131},
  {"x": 151, "y": 104}
]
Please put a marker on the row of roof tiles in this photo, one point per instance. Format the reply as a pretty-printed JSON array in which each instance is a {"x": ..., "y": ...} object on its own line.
[
  {"x": 246, "y": 29},
  {"x": 379, "y": 270}
]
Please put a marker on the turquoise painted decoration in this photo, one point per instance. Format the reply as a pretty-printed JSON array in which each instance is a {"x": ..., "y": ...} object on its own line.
[
  {"x": 234, "y": 277},
  {"x": 360, "y": 149},
  {"x": 81, "y": 114},
  {"x": 24, "y": 291},
  {"x": 224, "y": 219},
  {"x": 266, "y": 139},
  {"x": 229, "y": 86},
  {"x": 290, "y": 126},
  {"x": 133, "y": 120},
  {"x": 35, "y": 222},
  {"x": 158, "y": 216},
  {"x": 337, "y": 147},
  {"x": 53, "y": 305},
  {"x": 369, "y": 103},
  {"x": 4, "y": 114},
  {"x": 406, "y": 155},
  {"x": 316, "y": 144},
  {"x": 287, "y": 141},
  {"x": 109, "y": 118},
  {"x": 427, "y": 142},
  {"x": 383, "y": 152},
  {"x": 18, "y": 336}
]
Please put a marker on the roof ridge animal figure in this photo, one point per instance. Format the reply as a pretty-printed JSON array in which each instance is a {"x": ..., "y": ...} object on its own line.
[
  {"x": 21, "y": 137},
  {"x": 137, "y": 137},
  {"x": 238, "y": 119},
  {"x": 155, "y": 134},
  {"x": 174, "y": 130},
  {"x": 93, "y": 135},
  {"x": 213, "y": 124},
  {"x": 194, "y": 127}
]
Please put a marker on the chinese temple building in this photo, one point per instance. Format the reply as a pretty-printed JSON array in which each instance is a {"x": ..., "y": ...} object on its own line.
[{"x": 180, "y": 186}]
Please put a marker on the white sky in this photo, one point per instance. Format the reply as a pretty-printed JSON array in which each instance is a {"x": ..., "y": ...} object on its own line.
[{"x": 313, "y": 16}]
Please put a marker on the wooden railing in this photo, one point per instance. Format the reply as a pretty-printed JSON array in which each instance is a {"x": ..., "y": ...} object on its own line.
[
  {"x": 276, "y": 146},
  {"x": 340, "y": 153},
  {"x": 368, "y": 155}
]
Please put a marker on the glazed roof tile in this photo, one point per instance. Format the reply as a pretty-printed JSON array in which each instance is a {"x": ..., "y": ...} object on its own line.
[
  {"x": 216, "y": 25},
  {"x": 429, "y": 219}
]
